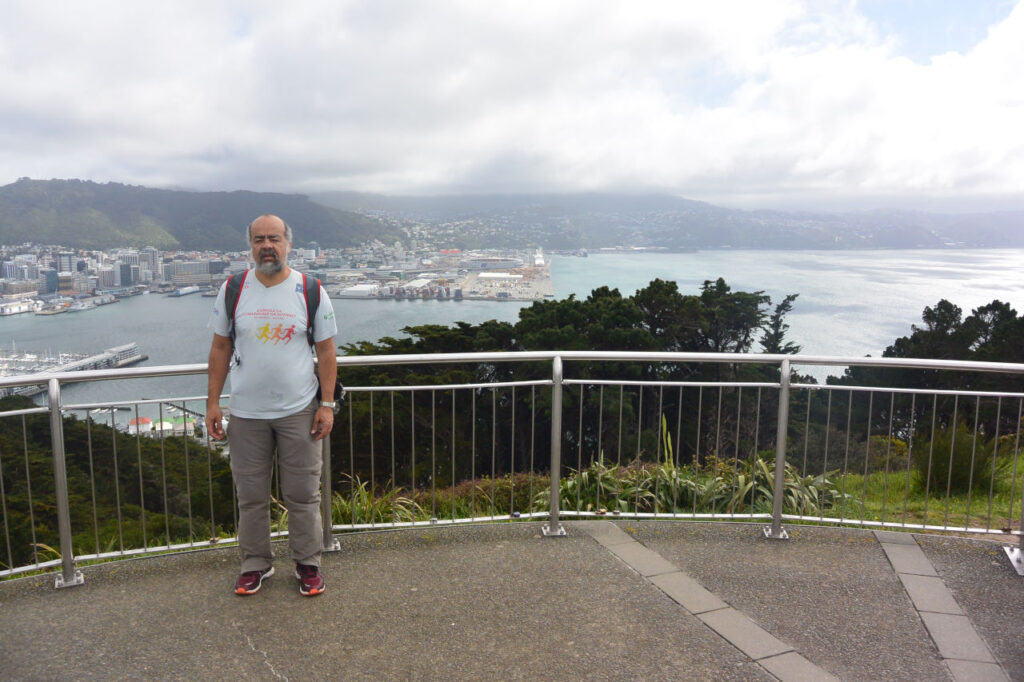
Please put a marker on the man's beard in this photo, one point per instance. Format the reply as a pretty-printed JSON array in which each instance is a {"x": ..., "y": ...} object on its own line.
[{"x": 269, "y": 267}]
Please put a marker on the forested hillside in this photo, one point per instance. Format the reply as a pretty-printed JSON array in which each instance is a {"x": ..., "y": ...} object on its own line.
[
  {"x": 86, "y": 214},
  {"x": 593, "y": 220}
]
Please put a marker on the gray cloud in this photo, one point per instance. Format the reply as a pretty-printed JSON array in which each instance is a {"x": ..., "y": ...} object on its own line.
[{"x": 764, "y": 101}]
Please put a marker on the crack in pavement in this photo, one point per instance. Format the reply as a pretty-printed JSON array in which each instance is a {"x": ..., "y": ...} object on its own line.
[{"x": 266, "y": 658}]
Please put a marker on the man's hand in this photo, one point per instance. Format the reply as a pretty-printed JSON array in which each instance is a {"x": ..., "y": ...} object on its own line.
[
  {"x": 220, "y": 359},
  {"x": 215, "y": 421},
  {"x": 323, "y": 422}
]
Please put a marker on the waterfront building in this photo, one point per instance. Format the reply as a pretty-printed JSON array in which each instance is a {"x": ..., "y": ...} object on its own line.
[
  {"x": 20, "y": 288},
  {"x": 48, "y": 281},
  {"x": 122, "y": 274},
  {"x": 106, "y": 277},
  {"x": 189, "y": 273}
]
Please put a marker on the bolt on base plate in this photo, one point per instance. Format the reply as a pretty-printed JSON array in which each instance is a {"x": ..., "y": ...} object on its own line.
[
  {"x": 59, "y": 582},
  {"x": 783, "y": 535}
]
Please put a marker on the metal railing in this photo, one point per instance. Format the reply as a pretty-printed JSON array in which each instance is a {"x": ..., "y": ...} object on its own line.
[{"x": 478, "y": 437}]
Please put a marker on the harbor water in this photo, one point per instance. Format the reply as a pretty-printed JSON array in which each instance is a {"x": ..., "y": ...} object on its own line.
[{"x": 851, "y": 303}]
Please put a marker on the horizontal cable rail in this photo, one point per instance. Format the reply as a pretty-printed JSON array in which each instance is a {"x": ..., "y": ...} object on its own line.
[{"x": 529, "y": 435}]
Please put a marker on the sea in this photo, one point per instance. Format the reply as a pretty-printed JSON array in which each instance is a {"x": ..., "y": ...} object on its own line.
[{"x": 850, "y": 303}]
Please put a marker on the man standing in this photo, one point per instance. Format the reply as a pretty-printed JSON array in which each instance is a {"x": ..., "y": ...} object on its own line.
[{"x": 274, "y": 405}]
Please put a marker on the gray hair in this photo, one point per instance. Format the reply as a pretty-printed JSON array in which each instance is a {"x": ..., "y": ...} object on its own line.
[{"x": 287, "y": 228}]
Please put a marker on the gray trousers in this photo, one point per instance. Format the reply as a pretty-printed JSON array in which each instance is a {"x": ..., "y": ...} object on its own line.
[{"x": 253, "y": 442}]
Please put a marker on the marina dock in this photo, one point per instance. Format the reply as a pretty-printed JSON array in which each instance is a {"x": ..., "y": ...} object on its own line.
[{"x": 15, "y": 363}]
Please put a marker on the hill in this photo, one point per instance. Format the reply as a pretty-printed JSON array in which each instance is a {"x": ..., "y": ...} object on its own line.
[
  {"x": 85, "y": 214},
  {"x": 605, "y": 220}
]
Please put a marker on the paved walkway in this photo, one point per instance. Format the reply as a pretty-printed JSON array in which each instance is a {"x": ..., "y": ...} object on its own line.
[{"x": 645, "y": 600}]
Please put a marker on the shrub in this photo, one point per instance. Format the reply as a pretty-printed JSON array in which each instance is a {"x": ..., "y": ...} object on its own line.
[{"x": 957, "y": 458}]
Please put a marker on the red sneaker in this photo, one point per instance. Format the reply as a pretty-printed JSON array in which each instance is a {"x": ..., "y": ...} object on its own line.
[
  {"x": 251, "y": 581},
  {"x": 310, "y": 580}
]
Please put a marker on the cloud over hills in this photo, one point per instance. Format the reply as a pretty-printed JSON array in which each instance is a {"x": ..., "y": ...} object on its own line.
[{"x": 745, "y": 103}]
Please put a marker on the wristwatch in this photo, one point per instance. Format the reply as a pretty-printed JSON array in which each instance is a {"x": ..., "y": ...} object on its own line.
[{"x": 324, "y": 403}]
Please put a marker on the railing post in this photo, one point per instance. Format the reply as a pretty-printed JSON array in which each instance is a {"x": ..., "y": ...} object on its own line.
[
  {"x": 69, "y": 576},
  {"x": 1016, "y": 554},
  {"x": 776, "y": 531},
  {"x": 554, "y": 527},
  {"x": 331, "y": 543}
]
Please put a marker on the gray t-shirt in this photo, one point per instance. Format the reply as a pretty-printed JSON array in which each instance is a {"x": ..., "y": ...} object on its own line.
[{"x": 274, "y": 377}]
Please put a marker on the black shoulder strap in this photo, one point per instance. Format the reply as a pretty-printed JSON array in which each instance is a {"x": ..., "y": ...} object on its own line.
[
  {"x": 311, "y": 292},
  {"x": 231, "y": 295}
]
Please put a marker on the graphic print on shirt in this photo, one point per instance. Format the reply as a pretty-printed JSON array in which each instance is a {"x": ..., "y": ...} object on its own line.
[{"x": 278, "y": 326}]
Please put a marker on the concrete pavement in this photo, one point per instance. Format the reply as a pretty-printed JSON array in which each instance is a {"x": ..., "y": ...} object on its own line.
[{"x": 651, "y": 600}]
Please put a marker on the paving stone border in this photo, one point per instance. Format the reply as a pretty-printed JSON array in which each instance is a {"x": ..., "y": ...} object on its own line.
[
  {"x": 772, "y": 654},
  {"x": 964, "y": 652},
  {"x": 961, "y": 647}
]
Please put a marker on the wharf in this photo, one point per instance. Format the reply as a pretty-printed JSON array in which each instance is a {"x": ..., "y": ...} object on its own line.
[
  {"x": 519, "y": 284},
  {"x": 514, "y": 284}
]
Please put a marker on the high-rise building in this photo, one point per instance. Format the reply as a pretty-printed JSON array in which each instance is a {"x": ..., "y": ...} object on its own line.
[
  {"x": 66, "y": 261},
  {"x": 107, "y": 280},
  {"x": 129, "y": 256},
  {"x": 149, "y": 259},
  {"x": 124, "y": 274},
  {"x": 47, "y": 281}
]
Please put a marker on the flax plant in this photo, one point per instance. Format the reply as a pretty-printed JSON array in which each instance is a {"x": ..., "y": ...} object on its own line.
[
  {"x": 719, "y": 486},
  {"x": 364, "y": 505}
]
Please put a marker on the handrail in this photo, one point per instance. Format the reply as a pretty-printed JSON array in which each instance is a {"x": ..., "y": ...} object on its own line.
[
  {"x": 527, "y": 356},
  {"x": 557, "y": 359}
]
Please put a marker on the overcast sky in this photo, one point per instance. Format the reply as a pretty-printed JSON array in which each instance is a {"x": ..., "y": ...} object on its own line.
[{"x": 742, "y": 103}]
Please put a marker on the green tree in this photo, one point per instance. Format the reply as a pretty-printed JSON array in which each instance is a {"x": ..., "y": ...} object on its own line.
[{"x": 774, "y": 338}]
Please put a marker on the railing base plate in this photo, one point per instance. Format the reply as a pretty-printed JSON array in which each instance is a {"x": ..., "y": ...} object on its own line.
[
  {"x": 557, "y": 532},
  {"x": 1016, "y": 557},
  {"x": 77, "y": 580},
  {"x": 783, "y": 535},
  {"x": 333, "y": 546}
]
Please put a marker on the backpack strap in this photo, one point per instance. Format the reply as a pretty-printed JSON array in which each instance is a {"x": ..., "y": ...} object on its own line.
[
  {"x": 231, "y": 295},
  {"x": 311, "y": 292}
]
